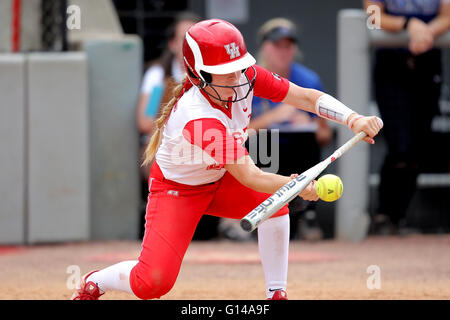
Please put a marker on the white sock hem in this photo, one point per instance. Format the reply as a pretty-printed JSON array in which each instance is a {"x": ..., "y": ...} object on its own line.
[{"x": 115, "y": 277}]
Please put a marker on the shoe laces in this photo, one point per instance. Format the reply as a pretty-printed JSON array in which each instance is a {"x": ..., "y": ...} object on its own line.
[
  {"x": 90, "y": 291},
  {"x": 85, "y": 296}
]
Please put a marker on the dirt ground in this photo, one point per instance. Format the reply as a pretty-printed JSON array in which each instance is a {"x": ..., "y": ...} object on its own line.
[{"x": 411, "y": 267}]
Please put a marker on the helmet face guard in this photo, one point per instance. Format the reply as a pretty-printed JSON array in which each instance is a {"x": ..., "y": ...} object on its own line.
[
  {"x": 250, "y": 83},
  {"x": 216, "y": 47}
]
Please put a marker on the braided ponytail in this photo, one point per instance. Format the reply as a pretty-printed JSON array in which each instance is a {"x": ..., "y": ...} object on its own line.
[{"x": 155, "y": 141}]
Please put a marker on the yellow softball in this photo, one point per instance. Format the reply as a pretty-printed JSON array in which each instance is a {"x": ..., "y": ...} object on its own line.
[{"x": 329, "y": 187}]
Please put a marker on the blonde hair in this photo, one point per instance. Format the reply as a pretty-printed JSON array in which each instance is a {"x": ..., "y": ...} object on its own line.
[{"x": 155, "y": 141}]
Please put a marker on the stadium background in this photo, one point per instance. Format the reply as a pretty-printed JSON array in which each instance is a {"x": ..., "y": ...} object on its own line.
[{"x": 69, "y": 166}]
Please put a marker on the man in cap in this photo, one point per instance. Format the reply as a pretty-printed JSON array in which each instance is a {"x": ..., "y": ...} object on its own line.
[{"x": 278, "y": 40}]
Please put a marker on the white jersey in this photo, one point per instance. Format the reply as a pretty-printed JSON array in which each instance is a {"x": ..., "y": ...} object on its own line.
[{"x": 185, "y": 162}]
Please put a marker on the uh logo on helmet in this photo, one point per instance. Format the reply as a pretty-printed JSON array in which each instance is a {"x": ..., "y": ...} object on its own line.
[{"x": 216, "y": 47}]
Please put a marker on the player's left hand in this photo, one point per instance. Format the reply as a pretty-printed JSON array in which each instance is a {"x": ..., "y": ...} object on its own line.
[
  {"x": 370, "y": 125},
  {"x": 309, "y": 193}
]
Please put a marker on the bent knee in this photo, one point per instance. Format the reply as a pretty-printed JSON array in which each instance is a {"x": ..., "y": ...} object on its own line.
[{"x": 151, "y": 284}]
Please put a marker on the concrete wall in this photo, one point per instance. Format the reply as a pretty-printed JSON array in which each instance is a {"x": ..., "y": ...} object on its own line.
[
  {"x": 44, "y": 138},
  {"x": 5, "y": 26},
  {"x": 12, "y": 146},
  {"x": 67, "y": 123},
  {"x": 99, "y": 20},
  {"x": 58, "y": 147},
  {"x": 115, "y": 74}
]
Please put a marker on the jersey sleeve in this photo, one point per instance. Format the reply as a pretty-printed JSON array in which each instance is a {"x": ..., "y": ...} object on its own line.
[
  {"x": 268, "y": 85},
  {"x": 211, "y": 135}
]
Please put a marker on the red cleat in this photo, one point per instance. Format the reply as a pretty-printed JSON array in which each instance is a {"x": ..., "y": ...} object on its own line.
[
  {"x": 279, "y": 295},
  {"x": 88, "y": 291}
]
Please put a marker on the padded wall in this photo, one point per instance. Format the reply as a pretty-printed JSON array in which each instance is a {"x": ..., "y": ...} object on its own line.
[
  {"x": 115, "y": 70},
  {"x": 12, "y": 146},
  {"x": 58, "y": 151}
]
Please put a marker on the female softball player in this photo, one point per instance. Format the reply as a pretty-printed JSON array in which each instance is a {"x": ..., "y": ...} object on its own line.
[{"x": 201, "y": 166}]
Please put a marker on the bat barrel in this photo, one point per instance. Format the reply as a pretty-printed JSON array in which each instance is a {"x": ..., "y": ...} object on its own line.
[
  {"x": 247, "y": 225},
  {"x": 291, "y": 189},
  {"x": 277, "y": 200}
]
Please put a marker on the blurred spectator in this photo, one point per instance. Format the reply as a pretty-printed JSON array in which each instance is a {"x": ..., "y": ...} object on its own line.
[
  {"x": 278, "y": 41},
  {"x": 161, "y": 77},
  {"x": 159, "y": 80},
  {"x": 407, "y": 90}
]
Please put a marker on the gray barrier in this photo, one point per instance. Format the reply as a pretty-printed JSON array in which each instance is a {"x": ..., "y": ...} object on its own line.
[
  {"x": 355, "y": 40},
  {"x": 58, "y": 147},
  {"x": 12, "y": 146},
  {"x": 115, "y": 70},
  {"x": 5, "y": 26},
  {"x": 70, "y": 170},
  {"x": 99, "y": 20}
]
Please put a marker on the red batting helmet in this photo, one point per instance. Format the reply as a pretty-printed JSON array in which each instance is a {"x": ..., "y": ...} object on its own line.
[{"x": 214, "y": 46}]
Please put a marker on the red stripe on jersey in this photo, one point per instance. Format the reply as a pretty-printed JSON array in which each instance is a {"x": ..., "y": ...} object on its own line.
[
  {"x": 268, "y": 85},
  {"x": 211, "y": 135}
]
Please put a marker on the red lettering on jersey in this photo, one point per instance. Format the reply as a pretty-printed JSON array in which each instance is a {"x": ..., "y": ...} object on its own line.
[{"x": 215, "y": 166}]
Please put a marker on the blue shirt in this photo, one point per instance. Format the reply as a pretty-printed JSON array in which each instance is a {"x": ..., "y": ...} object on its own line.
[
  {"x": 425, "y": 10},
  {"x": 299, "y": 75}
]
